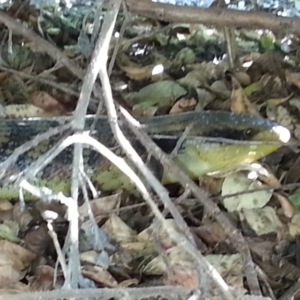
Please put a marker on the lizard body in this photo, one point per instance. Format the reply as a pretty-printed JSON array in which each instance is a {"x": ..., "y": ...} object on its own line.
[{"x": 194, "y": 156}]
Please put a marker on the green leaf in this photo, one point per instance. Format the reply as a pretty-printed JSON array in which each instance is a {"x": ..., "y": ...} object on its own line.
[{"x": 295, "y": 198}]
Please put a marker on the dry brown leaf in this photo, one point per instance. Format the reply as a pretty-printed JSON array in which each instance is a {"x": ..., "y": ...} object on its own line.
[
  {"x": 182, "y": 276},
  {"x": 269, "y": 179},
  {"x": 3, "y": 76},
  {"x": 128, "y": 282},
  {"x": 9, "y": 274},
  {"x": 160, "y": 234},
  {"x": 293, "y": 174},
  {"x": 46, "y": 102},
  {"x": 183, "y": 105},
  {"x": 287, "y": 206},
  {"x": 14, "y": 260},
  {"x": 261, "y": 247},
  {"x": 38, "y": 240},
  {"x": 6, "y": 215},
  {"x": 100, "y": 206},
  {"x": 130, "y": 254},
  {"x": 175, "y": 256},
  {"x": 22, "y": 216},
  {"x": 243, "y": 78},
  {"x": 99, "y": 275},
  {"x": 42, "y": 280},
  {"x": 294, "y": 225},
  {"x": 118, "y": 230},
  {"x": 279, "y": 101},
  {"x": 264, "y": 221},
  {"x": 293, "y": 78},
  {"x": 239, "y": 101},
  {"x": 211, "y": 184},
  {"x": 137, "y": 73},
  {"x": 89, "y": 257},
  {"x": 211, "y": 233}
]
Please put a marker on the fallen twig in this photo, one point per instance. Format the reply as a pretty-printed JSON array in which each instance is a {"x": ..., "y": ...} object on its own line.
[
  {"x": 11, "y": 160},
  {"x": 211, "y": 208},
  {"x": 104, "y": 293},
  {"x": 215, "y": 16},
  {"x": 186, "y": 241}
]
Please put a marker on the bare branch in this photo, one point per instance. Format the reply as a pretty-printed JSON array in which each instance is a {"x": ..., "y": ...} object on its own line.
[
  {"x": 186, "y": 241},
  {"x": 104, "y": 293},
  {"x": 215, "y": 16},
  {"x": 11, "y": 160},
  {"x": 236, "y": 237}
]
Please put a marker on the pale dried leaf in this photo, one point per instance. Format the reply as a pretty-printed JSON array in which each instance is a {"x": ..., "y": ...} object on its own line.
[
  {"x": 14, "y": 288},
  {"x": 175, "y": 256},
  {"x": 14, "y": 260},
  {"x": 263, "y": 220},
  {"x": 99, "y": 275},
  {"x": 287, "y": 206},
  {"x": 22, "y": 216},
  {"x": 9, "y": 274},
  {"x": 294, "y": 225},
  {"x": 239, "y": 101},
  {"x": 128, "y": 282},
  {"x": 160, "y": 234},
  {"x": 236, "y": 183},
  {"x": 5, "y": 205},
  {"x": 118, "y": 230},
  {"x": 100, "y": 206},
  {"x": 230, "y": 267},
  {"x": 211, "y": 232},
  {"x": 180, "y": 276}
]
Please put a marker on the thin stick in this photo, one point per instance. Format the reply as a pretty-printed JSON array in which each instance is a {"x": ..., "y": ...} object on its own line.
[
  {"x": 60, "y": 255},
  {"x": 235, "y": 236},
  {"x": 30, "y": 144},
  {"x": 105, "y": 293},
  {"x": 182, "y": 240},
  {"x": 123, "y": 141},
  {"x": 78, "y": 123},
  {"x": 218, "y": 17}
]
